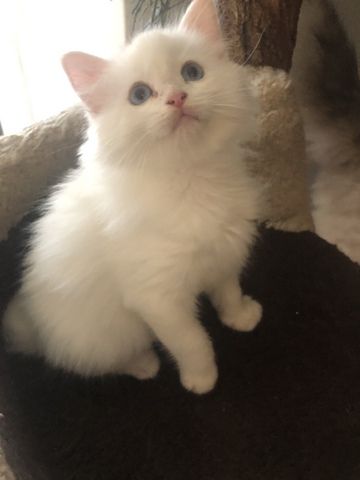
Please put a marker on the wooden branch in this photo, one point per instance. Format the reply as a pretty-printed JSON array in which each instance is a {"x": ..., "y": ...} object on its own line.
[{"x": 260, "y": 32}]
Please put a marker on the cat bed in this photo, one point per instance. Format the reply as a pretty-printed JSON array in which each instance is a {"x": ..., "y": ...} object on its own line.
[
  {"x": 287, "y": 404},
  {"x": 282, "y": 406}
]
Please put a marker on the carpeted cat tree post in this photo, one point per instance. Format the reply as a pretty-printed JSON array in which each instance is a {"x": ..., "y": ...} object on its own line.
[
  {"x": 287, "y": 404},
  {"x": 263, "y": 34}
]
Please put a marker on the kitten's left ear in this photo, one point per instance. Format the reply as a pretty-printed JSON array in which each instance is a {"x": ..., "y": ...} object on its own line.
[
  {"x": 84, "y": 72},
  {"x": 201, "y": 17}
]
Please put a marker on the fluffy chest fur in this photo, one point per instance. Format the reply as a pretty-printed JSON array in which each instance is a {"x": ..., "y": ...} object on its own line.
[
  {"x": 145, "y": 228},
  {"x": 192, "y": 223}
]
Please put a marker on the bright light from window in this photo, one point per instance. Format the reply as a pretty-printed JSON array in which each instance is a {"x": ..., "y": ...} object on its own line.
[{"x": 34, "y": 35}]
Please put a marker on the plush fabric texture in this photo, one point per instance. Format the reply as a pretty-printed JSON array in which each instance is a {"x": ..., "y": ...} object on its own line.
[
  {"x": 34, "y": 159},
  {"x": 31, "y": 161},
  {"x": 280, "y": 165},
  {"x": 287, "y": 404},
  {"x": 5, "y": 472}
]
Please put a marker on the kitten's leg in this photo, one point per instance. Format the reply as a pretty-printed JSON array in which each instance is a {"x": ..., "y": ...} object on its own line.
[
  {"x": 143, "y": 366},
  {"x": 178, "y": 329},
  {"x": 236, "y": 310}
]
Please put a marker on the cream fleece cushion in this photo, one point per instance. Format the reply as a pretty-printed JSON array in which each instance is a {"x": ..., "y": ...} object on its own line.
[{"x": 33, "y": 160}]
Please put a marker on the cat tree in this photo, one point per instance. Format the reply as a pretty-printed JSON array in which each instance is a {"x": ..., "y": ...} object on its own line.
[{"x": 261, "y": 32}]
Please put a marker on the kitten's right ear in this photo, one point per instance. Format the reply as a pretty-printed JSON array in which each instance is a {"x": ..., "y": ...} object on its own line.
[{"x": 84, "y": 72}]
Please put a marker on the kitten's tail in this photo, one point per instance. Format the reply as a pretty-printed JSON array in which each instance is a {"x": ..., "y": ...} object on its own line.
[{"x": 18, "y": 329}]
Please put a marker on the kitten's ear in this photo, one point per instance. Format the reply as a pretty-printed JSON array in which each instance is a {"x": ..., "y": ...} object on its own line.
[
  {"x": 201, "y": 17},
  {"x": 84, "y": 72}
]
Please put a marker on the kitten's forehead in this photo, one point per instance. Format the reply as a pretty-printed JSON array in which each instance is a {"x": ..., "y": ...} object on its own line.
[{"x": 162, "y": 51}]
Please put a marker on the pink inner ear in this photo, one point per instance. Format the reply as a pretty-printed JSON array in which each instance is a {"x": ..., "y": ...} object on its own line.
[
  {"x": 84, "y": 72},
  {"x": 201, "y": 16}
]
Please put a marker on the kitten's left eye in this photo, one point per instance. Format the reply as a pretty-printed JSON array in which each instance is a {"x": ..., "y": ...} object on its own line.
[
  {"x": 192, "y": 71},
  {"x": 139, "y": 93}
]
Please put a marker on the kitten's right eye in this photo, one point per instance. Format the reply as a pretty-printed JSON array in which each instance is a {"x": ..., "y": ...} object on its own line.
[{"x": 139, "y": 93}]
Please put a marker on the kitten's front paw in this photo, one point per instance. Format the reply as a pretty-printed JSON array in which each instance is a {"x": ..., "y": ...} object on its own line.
[
  {"x": 247, "y": 317},
  {"x": 200, "y": 382}
]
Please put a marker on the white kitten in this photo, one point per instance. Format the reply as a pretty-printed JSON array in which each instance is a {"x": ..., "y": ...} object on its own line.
[{"x": 160, "y": 210}]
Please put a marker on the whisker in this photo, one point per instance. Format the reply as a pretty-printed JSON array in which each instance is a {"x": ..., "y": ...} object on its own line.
[{"x": 254, "y": 49}]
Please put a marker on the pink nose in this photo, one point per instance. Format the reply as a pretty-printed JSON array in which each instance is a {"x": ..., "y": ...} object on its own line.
[{"x": 177, "y": 99}]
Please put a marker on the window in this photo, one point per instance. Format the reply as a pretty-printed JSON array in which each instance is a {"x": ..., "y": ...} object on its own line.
[{"x": 35, "y": 34}]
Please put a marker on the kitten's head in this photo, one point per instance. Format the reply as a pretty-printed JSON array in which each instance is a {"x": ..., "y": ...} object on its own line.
[{"x": 169, "y": 89}]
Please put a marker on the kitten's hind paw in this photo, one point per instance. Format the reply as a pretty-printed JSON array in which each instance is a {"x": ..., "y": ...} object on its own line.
[
  {"x": 247, "y": 318},
  {"x": 144, "y": 366}
]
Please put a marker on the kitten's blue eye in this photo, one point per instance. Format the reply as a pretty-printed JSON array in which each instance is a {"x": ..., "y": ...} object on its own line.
[
  {"x": 139, "y": 93},
  {"x": 191, "y": 72}
]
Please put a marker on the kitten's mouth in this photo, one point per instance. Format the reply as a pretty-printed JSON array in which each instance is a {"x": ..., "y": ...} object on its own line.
[{"x": 185, "y": 116}]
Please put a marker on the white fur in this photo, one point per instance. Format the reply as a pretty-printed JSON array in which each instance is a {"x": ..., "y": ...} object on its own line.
[{"x": 153, "y": 217}]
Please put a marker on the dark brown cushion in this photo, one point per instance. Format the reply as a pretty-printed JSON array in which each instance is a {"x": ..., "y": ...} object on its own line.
[{"x": 287, "y": 405}]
